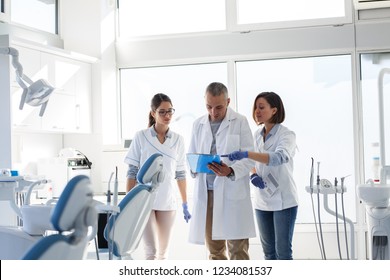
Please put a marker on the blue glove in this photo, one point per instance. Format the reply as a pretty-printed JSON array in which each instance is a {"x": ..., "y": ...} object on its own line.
[
  {"x": 257, "y": 181},
  {"x": 238, "y": 155},
  {"x": 186, "y": 213}
]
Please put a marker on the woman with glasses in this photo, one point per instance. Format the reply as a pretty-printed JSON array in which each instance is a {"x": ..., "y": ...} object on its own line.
[{"x": 158, "y": 138}]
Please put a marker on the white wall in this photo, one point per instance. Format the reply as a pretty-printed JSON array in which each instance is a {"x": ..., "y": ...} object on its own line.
[
  {"x": 5, "y": 108},
  {"x": 95, "y": 36}
]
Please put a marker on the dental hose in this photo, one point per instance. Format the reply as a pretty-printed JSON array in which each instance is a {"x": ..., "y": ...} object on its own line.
[
  {"x": 320, "y": 225},
  {"x": 337, "y": 225},
  {"x": 315, "y": 224},
  {"x": 319, "y": 213},
  {"x": 312, "y": 204},
  {"x": 345, "y": 225}
]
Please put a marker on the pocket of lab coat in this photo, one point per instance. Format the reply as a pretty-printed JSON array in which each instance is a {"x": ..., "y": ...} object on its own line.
[
  {"x": 271, "y": 178},
  {"x": 232, "y": 143},
  {"x": 235, "y": 191}
]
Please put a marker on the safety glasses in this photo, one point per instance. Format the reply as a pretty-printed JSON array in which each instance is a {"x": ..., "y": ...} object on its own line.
[{"x": 168, "y": 112}]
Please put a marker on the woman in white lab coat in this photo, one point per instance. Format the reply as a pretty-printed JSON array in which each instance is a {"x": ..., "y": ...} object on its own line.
[
  {"x": 232, "y": 217},
  {"x": 158, "y": 138},
  {"x": 276, "y": 200}
]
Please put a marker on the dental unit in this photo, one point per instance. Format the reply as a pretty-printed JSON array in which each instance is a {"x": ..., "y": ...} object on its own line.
[
  {"x": 324, "y": 187},
  {"x": 375, "y": 196}
]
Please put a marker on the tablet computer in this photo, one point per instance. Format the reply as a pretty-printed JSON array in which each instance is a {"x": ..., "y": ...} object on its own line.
[{"x": 198, "y": 162}]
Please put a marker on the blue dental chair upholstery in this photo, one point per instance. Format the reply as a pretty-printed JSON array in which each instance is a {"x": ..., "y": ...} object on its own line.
[
  {"x": 124, "y": 230},
  {"x": 72, "y": 216}
]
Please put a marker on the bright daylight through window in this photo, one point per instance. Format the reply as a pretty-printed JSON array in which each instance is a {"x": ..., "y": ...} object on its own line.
[
  {"x": 38, "y": 14},
  {"x": 156, "y": 17}
]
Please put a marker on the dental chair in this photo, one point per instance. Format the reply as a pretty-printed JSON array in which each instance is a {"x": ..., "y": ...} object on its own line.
[
  {"x": 32, "y": 219},
  {"x": 73, "y": 216},
  {"x": 123, "y": 231}
]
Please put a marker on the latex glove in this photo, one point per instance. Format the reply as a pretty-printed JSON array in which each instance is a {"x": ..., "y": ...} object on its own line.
[
  {"x": 257, "y": 181},
  {"x": 238, "y": 155},
  {"x": 187, "y": 215}
]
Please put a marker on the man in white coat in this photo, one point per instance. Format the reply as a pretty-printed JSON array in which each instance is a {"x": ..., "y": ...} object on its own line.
[{"x": 222, "y": 213}]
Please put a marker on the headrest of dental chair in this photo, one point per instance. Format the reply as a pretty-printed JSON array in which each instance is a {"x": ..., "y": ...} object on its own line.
[
  {"x": 152, "y": 170},
  {"x": 74, "y": 202}
]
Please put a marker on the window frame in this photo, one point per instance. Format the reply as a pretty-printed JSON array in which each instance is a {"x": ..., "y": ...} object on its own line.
[
  {"x": 8, "y": 12},
  {"x": 4, "y": 13},
  {"x": 233, "y": 26}
]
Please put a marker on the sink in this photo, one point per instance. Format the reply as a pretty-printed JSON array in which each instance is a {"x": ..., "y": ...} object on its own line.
[{"x": 374, "y": 195}]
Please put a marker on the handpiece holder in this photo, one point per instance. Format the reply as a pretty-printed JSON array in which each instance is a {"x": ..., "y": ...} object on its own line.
[{"x": 325, "y": 188}]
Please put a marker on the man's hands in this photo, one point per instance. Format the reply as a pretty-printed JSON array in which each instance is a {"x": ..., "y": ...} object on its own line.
[{"x": 219, "y": 169}]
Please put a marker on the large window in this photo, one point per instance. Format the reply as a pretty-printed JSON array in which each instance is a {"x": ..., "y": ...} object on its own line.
[
  {"x": 185, "y": 85},
  {"x": 156, "y": 17},
  {"x": 38, "y": 14},
  {"x": 265, "y": 14},
  {"x": 317, "y": 94},
  {"x": 371, "y": 66},
  {"x": 255, "y": 11}
]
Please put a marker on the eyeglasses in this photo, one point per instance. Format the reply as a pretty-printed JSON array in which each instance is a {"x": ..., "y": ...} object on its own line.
[{"x": 168, "y": 112}]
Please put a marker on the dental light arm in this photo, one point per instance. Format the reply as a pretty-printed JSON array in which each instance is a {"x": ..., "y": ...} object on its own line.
[
  {"x": 34, "y": 93},
  {"x": 384, "y": 169}
]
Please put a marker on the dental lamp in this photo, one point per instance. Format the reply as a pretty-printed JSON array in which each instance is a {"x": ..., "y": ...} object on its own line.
[{"x": 34, "y": 93}]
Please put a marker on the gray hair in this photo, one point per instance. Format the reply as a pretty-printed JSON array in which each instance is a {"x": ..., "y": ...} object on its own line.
[{"x": 216, "y": 89}]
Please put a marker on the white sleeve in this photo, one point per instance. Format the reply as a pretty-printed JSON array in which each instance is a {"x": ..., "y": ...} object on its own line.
[
  {"x": 134, "y": 154},
  {"x": 181, "y": 157}
]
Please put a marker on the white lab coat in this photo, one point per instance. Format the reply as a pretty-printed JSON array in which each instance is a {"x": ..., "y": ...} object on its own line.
[
  {"x": 143, "y": 146},
  {"x": 285, "y": 195},
  {"x": 232, "y": 211}
]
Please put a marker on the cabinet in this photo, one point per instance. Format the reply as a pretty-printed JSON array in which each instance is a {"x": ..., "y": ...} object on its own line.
[
  {"x": 68, "y": 109},
  {"x": 83, "y": 98}
]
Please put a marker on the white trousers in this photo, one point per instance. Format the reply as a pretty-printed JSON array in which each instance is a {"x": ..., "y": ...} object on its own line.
[{"x": 157, "y": 234}]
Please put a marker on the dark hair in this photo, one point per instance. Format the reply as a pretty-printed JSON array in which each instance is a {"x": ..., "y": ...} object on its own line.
[
  {"x": 155, "y": 103},
  {"x": 274, "y": 101},
  {"x": 216, "y": 89}
]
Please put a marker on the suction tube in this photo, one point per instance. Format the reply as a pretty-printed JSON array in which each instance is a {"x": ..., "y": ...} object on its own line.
[
  {"x": 319, "y": 212},
  {"x": 115, "y": 199},
  {"x": 312, "y": 204},
  {"x": 344, "y": 219},
  {"x": 109, "y": 190}
]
